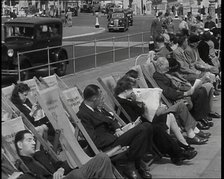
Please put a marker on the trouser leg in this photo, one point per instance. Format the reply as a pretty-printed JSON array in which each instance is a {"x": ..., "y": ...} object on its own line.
[
  {"x": 185, "y": 116},
  {"x": 139, "y": 140},
  {"x": 98, "y": 167},
  {"x": 165, "y": 143}
]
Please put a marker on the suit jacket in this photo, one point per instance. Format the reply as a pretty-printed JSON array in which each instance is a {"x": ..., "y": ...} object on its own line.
[
  {"x": 99, "y": 125},
  {"x": 182, "y": 60},
  {"x": 203, "y": 49},
  {"x": 46, "y": 167},
  {"x": 193, "y": 58},
  {"x": 169, "y": 90}
]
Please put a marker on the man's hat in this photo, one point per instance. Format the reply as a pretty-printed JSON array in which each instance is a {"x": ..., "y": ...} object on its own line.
[{"x": 193, "y": 38}]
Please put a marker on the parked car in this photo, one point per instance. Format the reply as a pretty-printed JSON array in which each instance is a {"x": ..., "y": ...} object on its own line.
[
  {"x": 129, "y": 13},
  {"x": 29, "y": 34},
  {"x": 118, "y": 21}
]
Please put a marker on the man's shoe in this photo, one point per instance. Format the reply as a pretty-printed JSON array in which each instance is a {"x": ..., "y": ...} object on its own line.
[
  {"x": 177, "y": 161},
  {"x": 188, "y": 155},
  {"x": 207, "y": 123},
  {"x": 128, "y": 169},
  {"x": 214, "y": 115},
  {"x": 144, "y": 173},
  {"x": 209, "y": 118},
  {"x": 185, "y": 147},
  {"x": 204, "y": 134},
  {"x": 201, "y": 126},
  {"x": 196, "y": 140}
]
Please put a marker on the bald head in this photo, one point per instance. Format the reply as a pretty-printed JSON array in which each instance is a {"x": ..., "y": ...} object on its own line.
[{"x": 161, "y": 65}]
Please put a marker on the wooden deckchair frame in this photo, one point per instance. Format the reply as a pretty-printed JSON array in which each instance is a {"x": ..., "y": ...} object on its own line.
[
  {"x": 30, "y": 126},
  {"x": 114, "y": 100},
  {"x": 99, "y": 79},
  {"x": 77, "y": 121},
  {"x": 150, "y": 79}
]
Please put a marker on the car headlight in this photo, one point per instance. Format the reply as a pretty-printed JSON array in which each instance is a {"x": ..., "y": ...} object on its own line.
[
  {"x": 10, "y": 52},
  {"x": 111, "y": 22}
]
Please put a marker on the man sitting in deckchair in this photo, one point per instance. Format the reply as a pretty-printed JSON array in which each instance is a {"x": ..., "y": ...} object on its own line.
[{"x": 41, "y": 166}]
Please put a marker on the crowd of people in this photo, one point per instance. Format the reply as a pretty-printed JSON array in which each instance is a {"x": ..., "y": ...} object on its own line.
[{"x": 180, "y": 61}]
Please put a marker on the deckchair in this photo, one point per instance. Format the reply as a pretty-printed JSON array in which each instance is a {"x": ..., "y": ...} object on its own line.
[
  {"x": 108, "y": 84},
  {"x": 50, "y": 101},
  {"x": 7, "y": 91},
  {"x": 104, "y": 83},
  {"x": 30, "y": 126},
  {"x": 142, "y": 58},
  {"x": 72, "y": 109},
  {"x": 148, "y": 69}
]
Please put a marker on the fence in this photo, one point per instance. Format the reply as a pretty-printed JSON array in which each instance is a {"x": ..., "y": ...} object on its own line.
[{"x": 92, "y": 54}]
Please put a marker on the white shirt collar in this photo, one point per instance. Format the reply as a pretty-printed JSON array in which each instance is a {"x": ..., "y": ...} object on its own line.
[{"x": 89, "y": 107}]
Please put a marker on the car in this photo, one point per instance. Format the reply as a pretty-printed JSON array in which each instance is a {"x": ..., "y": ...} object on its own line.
[
  {"x": 129, "y": 13},
  {"x": 118, "y": 21},
  {"x": 30, "y": 34}
]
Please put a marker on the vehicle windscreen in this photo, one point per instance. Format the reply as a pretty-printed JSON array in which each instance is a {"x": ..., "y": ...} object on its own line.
[
  {"x": 118, "y": 15},
  {"x": 19, "y": 31}
]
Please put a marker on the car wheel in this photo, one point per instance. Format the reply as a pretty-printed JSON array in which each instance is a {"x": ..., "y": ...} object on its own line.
[{"x": 61, "y": 67}]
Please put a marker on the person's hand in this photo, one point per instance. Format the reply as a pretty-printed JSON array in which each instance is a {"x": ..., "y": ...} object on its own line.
[
  {"x": 59, "y": 173},
  {"x": 161, "y": 110},
  {"x": 118, "y": 132},
  {"x": 15, "y": 175}
]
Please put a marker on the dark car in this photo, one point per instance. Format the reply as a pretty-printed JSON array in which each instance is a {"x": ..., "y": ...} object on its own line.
[
  {"x": 29, "y": 34},
  {"x": 129, "y": 13},
  {"x": 118, "y": 21}
]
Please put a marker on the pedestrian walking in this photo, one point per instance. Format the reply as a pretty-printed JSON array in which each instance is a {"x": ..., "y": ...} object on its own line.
[
  {"x": 144, "y": 9},
  {"x": 156, "y": 26},
  {"x": 63, "y": 18},
  {"x": 69, "y": 18}
]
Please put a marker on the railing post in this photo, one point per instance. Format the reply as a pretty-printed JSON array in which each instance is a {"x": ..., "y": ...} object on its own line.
[
  {"x": 113, "y": 49},
  {"x": 48, "y": 61},
  {"x": 18, "y": 66},
  {"x": 142, "y": 43},
  {"x": 129, "y": 50},
  {"x": 95, "y": 52},
  {"x": 73, "y": 56}
]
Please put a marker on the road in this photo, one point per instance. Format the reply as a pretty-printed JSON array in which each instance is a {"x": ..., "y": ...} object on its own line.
[
  {"x": 84, "y": 58},
  {"x": 141, "y": 24}
]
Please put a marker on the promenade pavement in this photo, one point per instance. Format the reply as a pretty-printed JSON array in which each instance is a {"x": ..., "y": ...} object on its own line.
[{"x": 207, "y": 163}]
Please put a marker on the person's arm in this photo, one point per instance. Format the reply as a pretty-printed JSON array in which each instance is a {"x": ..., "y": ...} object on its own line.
[
  {"x": 100, "y": 142},
  {"x": 168, "y": 90}
]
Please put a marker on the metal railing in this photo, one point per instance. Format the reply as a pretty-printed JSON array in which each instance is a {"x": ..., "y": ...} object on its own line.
[{"x": 97, "y": 53}]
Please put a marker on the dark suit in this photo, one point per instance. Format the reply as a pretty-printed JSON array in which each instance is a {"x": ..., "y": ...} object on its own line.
[
  {"x": 42, "y": 166},
  {"x": 203, "y": 49},
  {"x": 199, "y": 98},
  {"x": 101, "y": 129}
]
